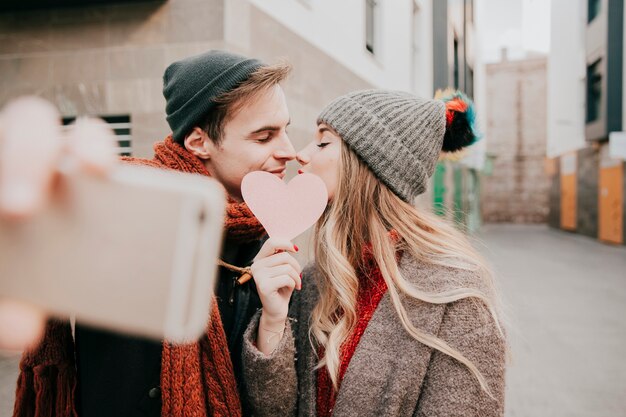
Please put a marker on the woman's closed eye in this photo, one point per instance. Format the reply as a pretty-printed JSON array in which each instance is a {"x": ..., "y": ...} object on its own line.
[{"x": 323, "y": 144}]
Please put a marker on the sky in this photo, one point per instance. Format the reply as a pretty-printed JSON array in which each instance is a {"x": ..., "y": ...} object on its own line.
[{"x": 522, "y": 26}]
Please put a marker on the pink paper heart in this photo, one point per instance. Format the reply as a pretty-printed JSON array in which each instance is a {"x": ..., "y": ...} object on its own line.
[{"x": 285, "y": 210}]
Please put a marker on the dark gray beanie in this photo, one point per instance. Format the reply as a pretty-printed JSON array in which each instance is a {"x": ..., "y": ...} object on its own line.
[
  {"x": 191, "y": 84},
  {"x": 398, "y": 135}
]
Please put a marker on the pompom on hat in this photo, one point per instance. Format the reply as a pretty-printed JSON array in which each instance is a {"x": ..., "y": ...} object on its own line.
[
  {"x": 399, "y": 135},
  {"x": 461, "y": 128}
]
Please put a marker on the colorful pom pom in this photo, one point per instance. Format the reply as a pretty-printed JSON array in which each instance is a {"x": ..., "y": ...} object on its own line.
[{"x": 460, "y": 120}]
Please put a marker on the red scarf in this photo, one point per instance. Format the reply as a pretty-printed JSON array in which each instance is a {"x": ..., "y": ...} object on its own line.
[
  {"x": 197, "y": 379},
  {"x": 372, "y": 288}
]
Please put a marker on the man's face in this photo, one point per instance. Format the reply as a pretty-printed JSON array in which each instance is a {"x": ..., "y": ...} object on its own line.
[{"x": 255, "y": 139}]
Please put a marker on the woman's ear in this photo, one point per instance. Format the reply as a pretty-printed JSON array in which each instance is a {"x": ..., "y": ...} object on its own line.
[{"x": 198, "y": 143}]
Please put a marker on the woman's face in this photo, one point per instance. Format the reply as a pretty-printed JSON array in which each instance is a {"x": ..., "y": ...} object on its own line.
[{"x": 322, "y": 157}]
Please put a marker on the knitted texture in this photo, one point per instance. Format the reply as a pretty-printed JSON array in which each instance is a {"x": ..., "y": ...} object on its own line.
[
  {"x": 240, "y": 224},
  {"x": 371, "y": 290},
  {"x": 191, "y": 85},
  {"x": 197, "y": 379},
  {"x": 398, "y": 135},
  {"x": 390, "y": 373},
  {"x": 47, "y": 379}
]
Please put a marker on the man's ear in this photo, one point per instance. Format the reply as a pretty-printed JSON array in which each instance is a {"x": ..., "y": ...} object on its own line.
[{"x": 199, "y": 144}]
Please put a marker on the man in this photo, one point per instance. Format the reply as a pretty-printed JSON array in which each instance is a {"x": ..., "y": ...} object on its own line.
[{"x": 228, "y": 117}]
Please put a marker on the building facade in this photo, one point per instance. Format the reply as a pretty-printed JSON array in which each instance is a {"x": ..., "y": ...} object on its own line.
[
  {"x": 588, "y": 182},
  {"x": 517, "y": 189},
  {"x": 106, "y": 58},
  {"x": 455, "y": 188}
]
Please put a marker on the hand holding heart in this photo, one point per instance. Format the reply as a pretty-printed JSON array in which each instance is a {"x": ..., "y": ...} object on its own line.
[{"x": 285, "y": 210}]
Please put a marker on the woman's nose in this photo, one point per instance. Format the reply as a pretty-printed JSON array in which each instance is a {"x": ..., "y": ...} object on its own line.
[{"x": 302, "y": 158}]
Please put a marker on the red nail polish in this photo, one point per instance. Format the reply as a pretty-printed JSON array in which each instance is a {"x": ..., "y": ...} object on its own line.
[
  {"x": 295, "y": 247},
  {"x": 300, "y": 274}
]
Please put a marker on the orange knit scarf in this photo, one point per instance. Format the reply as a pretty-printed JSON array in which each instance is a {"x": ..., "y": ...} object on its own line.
[{"x": 197, "y": 379}]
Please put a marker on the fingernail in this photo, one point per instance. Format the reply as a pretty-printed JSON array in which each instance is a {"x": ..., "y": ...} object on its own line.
[
  {"x": 300, "y": 274},
  {"x": 295, "y": 247}
]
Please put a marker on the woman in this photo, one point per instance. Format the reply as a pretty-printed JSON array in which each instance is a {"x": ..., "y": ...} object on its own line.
[{"x": 397, "y": 317}]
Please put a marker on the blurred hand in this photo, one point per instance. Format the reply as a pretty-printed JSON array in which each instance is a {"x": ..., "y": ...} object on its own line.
[{"x": 31, "y": 151}]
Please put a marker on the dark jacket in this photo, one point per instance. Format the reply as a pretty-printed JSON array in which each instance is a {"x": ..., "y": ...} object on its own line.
[{"x": 102, "y": 356}]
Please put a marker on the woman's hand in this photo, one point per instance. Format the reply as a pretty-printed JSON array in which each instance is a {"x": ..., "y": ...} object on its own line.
[{"x": 276, "y": 274}]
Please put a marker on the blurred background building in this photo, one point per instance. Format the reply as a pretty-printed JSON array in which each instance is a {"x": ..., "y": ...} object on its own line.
[
  {"x": 585, "y": 117},
  {"x": 551, "y": 108},
  {"x": 106, "y": 58},
  {"x": 517, "y": 190}
]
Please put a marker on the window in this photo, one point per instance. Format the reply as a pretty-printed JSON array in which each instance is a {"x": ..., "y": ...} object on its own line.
[
  {"x": 456, "y": 63},
  {"x": 593, "y": 9},
  {"x": 370, "y": 25},
  {"x": 594, "y": 91},
  {"x": 120, "y": 126}
]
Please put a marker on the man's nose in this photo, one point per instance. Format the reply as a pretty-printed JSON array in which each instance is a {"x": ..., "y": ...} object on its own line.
[{"x": 286, "y": 149}]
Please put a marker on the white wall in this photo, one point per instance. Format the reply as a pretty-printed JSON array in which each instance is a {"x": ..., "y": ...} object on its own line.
[
  {"x": 566, "y": 78},
  {"x": 338, "y": 29},
  {"x": 477, "y": 153},
  {"x": 422, "y": 70}
]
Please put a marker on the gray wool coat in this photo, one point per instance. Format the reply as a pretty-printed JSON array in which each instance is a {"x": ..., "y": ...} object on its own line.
[{"x": 390, "y": 374}]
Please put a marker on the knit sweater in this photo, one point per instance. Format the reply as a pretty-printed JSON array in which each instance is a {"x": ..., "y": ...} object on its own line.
[{"x": 390, "y": 373}]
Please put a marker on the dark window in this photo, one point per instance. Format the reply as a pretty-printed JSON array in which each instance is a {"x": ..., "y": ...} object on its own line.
[
  {"x": 593, "y": 9},
  {"x": 120, "y": 126},
  {"x": 456, "y": 63},
  {"x": 594, "y": 91},
  {"x": 370, "y": 24},
  {"x": 18, "y": 5}
]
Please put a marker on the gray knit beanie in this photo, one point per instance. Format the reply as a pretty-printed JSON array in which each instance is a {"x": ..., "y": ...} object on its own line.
[
  {"x": 191, "y": 84},
  {"x": 398, "y": 135}
]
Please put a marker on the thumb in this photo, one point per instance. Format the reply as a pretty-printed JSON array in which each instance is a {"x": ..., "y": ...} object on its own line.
[{"x": 29, "y": 151}]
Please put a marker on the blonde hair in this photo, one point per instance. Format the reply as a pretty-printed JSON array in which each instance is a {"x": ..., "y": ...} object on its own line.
[{"x": 362, "y": 212}]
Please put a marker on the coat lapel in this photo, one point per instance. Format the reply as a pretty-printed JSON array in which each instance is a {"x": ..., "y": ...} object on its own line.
[{"x": 386, "y": 372}]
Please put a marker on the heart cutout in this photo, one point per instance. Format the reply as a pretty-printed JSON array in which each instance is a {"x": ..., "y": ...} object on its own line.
[{"x": 284, "y": 210}]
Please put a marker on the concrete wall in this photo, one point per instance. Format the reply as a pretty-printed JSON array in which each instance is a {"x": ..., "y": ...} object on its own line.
[
  {"x": 104, "y": 60},
  {"x": 338, "y": 28},
  {"x": 518, "y": 189},
  {"x": 554, "y": 203},
  {"x": 587, "y": 174},
  {"x": 566, "y": 77}
]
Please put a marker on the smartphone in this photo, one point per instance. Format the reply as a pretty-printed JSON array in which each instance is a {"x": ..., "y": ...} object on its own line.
[{"x": 133, "y": 252}]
